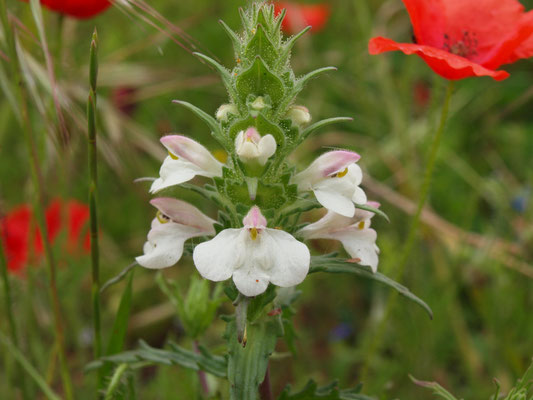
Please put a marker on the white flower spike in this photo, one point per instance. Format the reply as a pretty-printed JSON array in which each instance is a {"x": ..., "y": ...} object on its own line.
[
  {"x": 354, "y": 233},
  {"x": 176, "y": 221},
  {"x": 334, "y": 178},
  {"x": 250, "y": 146},
  {"x": 187, "y": 158},
  {"x": 254, "y": 255}
]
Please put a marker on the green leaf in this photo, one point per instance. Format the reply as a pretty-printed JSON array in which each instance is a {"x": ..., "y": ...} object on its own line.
[
  {"x": 320, "y": 124},
  {"x": 247, "y": 365},
  {"x": 258, "y": 303},
  {"x": 216, "y": 131},
  {"x": 30, "y": 370},
  {"x": 437, "y": 389},
  {"x": 329, "y": 263},
  {"x": 313, "y": 74},
  {"x": 288, "y": 45},
  {"x": 329, "y": 392},
  {"x": 120, "y": 326},
  {"x": 258, "y": 80},
  {"x": 374, "y": 210},
  {"x": 148, "y": 355},
  {"x": 119, "y": 277},
  {"x": 236, "y": 41},
  {"x": 261, "y": 46}
]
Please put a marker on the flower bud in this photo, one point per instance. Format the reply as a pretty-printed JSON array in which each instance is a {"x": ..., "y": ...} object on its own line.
[
  {"x": 299, "y": 115},
  {"x": 224, "y": 110},
  {"x": 258, "y": 104},
  {"x": 250, "y": 146}
]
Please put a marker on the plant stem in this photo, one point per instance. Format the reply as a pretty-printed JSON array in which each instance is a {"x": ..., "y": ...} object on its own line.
[
  {"x": 38, "y": 184},
  {"x": 413, "y": 230},
  {"x": 9, "y": 311},
  {"x": 93, "y": 179},
  {"x": 265, "y": 389},
  {"x": 201, "y": 374},
  {"x": 115, "y": 381}
]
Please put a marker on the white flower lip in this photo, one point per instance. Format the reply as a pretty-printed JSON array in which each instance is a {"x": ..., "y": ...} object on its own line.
[
  {"x": 250, "y": 146},
  {"x": 254, "y": 256},
  {"x": 334, "y": 178},
  {"x": 354, "y": 233},
  {"x": 187, "y": 158},
  {"x": 179, "y": 222}
]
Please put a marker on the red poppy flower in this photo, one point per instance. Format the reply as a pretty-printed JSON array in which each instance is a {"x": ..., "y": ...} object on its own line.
[
  {"x": 81, "y": 9},
  {"x": 459, "y": 38},
  {"x": 15, "y": 229},
  {"x": 16, "y": 226},
  {"x": 300, "y": 16}
]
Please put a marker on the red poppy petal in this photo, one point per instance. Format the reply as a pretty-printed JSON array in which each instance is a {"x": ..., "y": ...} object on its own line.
[
  {"x": 481, "y": 25},
  {"x": 447, "y": 65},
  {"x": 519, "y": 46},
  {"x": 77, "y": 8},
  {"x": 78, "y": 215},
  {"x": 427, "y": 18},
  {"x": 15, "y": 231}
]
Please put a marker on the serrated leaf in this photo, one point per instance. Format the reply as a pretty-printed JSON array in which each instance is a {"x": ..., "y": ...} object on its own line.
[
  {"x": 216, "y": 131},
  {"x": 331, "y": 264},
  {"x": 260, "y": 45},
  {"x": 247, "y": 365},
  {"x": 258, "y": 80},
  {"x": 146, "y": 354}
]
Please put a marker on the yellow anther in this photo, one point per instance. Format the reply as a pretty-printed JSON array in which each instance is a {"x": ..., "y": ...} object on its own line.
[
  {"x": 174, "y": 157},
  {"x": 238, "y": 60},
  {"x": 162, "y": 217},
  {"x": 361, "y": 225},
  {"x": 221, "y": 156},
  {"x": 253, "y": 31},
  {"x": 253, "y": 233},
  {"x": 342, "y": 173}
]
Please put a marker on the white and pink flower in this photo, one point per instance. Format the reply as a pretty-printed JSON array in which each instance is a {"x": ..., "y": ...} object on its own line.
[
  {"x": 254, "y": 256},
  {"x": 354, "y": 233},
  {"x": 175, "y": 223},
  {"x": 334, "y": 178},
  {"x": 186, "y": 159}
]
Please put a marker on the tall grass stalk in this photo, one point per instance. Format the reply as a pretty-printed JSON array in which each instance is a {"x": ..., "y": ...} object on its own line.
[
  {"x": 39, "y": 204},
  {"x": 413, "y": 230},
  {"x": 93, "y": 175}
]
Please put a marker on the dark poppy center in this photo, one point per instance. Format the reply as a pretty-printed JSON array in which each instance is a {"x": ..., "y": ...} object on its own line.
[{"x": 465, "y": 46}]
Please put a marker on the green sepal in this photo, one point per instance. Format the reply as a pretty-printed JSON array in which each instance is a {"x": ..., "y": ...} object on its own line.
[
  {"x": 263, "y": 126},
  {"x": 331, "y": 264},
  {"x": 261, "y": 46},
  {"x": 311, "y": 391},
  {"x": 260, "y": 81},
  {"x": 256, "y": 307},
  {"x": 247, "y": 364}
]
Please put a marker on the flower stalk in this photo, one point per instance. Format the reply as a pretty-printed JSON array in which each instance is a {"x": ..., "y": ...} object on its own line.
[{"x": 93, "y": 181}]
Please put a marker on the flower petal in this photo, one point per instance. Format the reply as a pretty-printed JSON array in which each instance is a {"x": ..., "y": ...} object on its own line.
[
  {"x": 447, "y": 65},
  {"x": 217, "y": 258},
  {"x": 360, "y": 244},
  {"x": 193, "y": 152},
  {"x": 165, "y": 242},
  {"x": 250, "y": 281},
  {"x": 290, "y": 258},
  {"x": 335, "y": 201},
  {"x": 267, "y": 147},
  {"x": 174, "y": 172},
  {"x": 184, "y": 213}
]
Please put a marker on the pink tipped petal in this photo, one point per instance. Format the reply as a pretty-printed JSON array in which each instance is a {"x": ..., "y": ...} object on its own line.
[
  {"x": 335, "y": 161},
  {"x": 373, "y": 204},
  {"x": 194, "y": 152},
  {"x": 447, "y": 65},
  {"x": 254, "y": 219},
  {"x": 184, "y": 213},
  {"x": 252, "y": 134}
]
